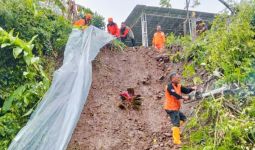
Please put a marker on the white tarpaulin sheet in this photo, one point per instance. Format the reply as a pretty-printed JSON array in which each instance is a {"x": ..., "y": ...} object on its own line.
[{"x": 54, "y": 120}]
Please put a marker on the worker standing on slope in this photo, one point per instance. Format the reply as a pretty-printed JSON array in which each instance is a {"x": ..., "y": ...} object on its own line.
[
  {"x": 126, "y": 32},
  {"x": 173, "y": 94},
  {"x": 200, "y": 27},
  {"x": 159, "y": 39},
  {"x": 83, "y": 23},
  {"x": 112, "y": 28}
]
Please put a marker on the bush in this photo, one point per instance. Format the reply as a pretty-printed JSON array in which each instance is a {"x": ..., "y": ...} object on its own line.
[
  {"x": 28, "y": 19},
  {"x": 98, "y": 21},
  {"x": 22, "y": 85},
  {"x": 230, "y": 46},
  {"x": 214, "y": 126}
]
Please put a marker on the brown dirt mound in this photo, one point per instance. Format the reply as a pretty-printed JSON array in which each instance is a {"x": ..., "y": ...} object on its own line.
[{"x": 103, "y": 125}]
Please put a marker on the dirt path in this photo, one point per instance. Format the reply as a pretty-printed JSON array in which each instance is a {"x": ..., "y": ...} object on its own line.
[{"x": 103, "y": 125}]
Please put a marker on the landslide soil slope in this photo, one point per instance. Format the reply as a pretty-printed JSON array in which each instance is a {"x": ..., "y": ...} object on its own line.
[{"x": 103, "y": 125}]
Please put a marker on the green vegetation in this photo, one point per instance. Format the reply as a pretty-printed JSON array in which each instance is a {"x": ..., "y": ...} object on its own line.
[
  {"x": 23, "y": 81},
  {"x": 32, "y": 37},
  {"x": 117, "y": 45},
  {"x": 28, "y": 19},
  {"x": 229, "y": 49},
  {"x": 22, "y": 84},
  {"x": 26, "y": 67},
  {"x": 215, "y": 126},
  {"x": 97, "y": 20},
  {"x": 165, "y": 3}
]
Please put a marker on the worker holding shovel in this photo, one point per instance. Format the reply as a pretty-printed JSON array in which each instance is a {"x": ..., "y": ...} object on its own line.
[{"x": 173, "y": 94}]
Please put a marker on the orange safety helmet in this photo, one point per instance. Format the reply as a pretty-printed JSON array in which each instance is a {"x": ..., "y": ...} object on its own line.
[
  {"x": 88, "y": 16},
  {"x": 110, "y": 20}
]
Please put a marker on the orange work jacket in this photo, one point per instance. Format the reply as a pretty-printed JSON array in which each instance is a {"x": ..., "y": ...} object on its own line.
[
  {"x": 79, "y": 23},
  {"x": 159, "y": 40},
  {"x": 113, "y": 29},
  {"x": 172, "y": 103}
]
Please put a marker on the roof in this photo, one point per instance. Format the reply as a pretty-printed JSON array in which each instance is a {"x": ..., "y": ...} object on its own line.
[{"x": 171, "y": 20}]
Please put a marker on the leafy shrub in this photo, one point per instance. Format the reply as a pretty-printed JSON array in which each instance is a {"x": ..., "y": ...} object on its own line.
[
  {"x": 98, "y": 21},
  {"x": 229, "y": 46},
  {"x": 170, "y": 39},
  {"x": 215, "y": 126},
  {"x": 28, "y": 19},
  {"x": 22, "y": 84},
  {"x": 253, "y": 21}
]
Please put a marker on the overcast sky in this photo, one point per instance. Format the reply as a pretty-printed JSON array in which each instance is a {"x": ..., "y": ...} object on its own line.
[{"x": 120, "y": 9}]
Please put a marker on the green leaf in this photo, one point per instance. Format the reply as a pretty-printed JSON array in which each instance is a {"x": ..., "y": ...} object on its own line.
[
  {"x": 34, "y": 60},
  {"x": 11, "y": 33},
  {"x": 33, "y": 38},
  {"x": 28, "y": 59},
  {"x": 25, "y": 73},
  {"x": 25, "y": 53},
  {"x": 5, "y": 45},
  {"x": 8, "y": 103},
  {"x": 35, "y": 10},
  {"x": 26, "y": 100},
  {"x": 17, "y": 51},
  {"x": 28, "y": 113}
]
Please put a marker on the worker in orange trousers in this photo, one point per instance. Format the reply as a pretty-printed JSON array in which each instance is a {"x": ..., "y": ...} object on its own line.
[{"x": 159, "y": 39}]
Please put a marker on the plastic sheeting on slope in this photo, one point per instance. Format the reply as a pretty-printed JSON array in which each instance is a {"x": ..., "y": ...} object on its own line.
[{"x": 53, "y": 122}]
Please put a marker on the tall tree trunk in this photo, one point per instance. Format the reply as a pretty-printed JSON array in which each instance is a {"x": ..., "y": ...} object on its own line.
[{"x": 188, "y": 18}]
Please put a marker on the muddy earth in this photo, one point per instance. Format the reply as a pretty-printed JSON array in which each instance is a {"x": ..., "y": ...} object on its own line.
[{"x": 104, "y": 126}]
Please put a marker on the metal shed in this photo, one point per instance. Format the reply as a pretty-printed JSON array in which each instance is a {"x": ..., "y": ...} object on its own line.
[{"x": 144, "y": 19}]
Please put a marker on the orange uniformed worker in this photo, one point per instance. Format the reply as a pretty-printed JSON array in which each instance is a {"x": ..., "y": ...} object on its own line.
[
  {"x": 112, "y": 28},
  {"x": 83, "y": 22},
  {"x": 173, "y": 95},
  {"x": 159, "y": 39},
  {"x": 200, "y": 27}
]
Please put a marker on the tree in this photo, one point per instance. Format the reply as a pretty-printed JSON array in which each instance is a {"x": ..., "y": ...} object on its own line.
[
  {"x": 98, "y": 21},
  {"x": 228, "y": 6},
  {"x": 165, "y": 3},
  {"x": 188, "y": 18}
]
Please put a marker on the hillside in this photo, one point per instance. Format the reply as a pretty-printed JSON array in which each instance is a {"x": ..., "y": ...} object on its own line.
[{"x": 103, "y": 125}]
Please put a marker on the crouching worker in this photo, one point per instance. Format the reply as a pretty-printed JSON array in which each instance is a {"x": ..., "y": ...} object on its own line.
[
  {"x": 173, "y": 94},
  {"x": 126, "y": 32},
  {"x": 84, "y": 22}
]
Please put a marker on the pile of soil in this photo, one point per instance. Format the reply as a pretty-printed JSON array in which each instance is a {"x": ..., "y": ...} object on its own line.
[{"x": 103, "y": 125}]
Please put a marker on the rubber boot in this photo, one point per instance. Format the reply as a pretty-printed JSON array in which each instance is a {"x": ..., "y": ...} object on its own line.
[{"x": 176, "y": 135}]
